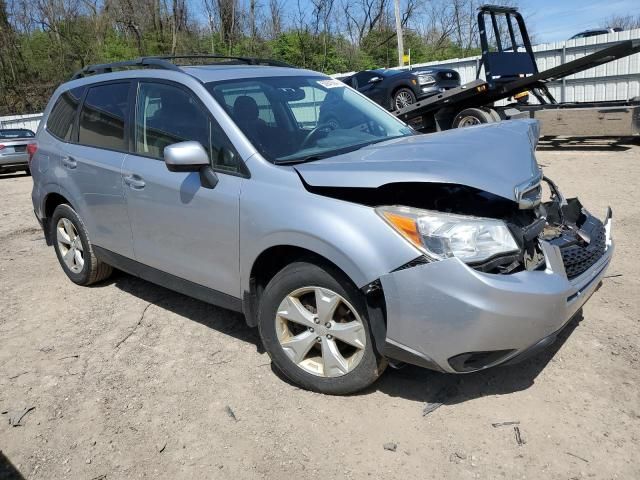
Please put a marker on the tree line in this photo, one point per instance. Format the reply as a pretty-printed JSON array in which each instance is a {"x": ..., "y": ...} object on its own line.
[{"x": 42, "y": 42}]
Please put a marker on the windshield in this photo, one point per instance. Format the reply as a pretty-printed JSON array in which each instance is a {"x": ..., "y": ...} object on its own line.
[{"x": 295, "y": 119}]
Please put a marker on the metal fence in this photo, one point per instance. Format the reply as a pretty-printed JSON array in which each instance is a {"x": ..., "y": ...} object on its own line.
[
  {"x": 618, "y": 80},
  {"x": 30, "y": 121}
]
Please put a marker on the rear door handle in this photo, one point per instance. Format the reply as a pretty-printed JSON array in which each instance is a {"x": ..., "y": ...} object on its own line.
[
  {"x": 134, "y": 181},
  {"x": 69, "y": 162}
]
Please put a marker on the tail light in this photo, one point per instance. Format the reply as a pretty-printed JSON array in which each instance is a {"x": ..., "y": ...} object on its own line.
[
  {"x": 1, "y": 146},
  {"x": 32, "y": 148}
]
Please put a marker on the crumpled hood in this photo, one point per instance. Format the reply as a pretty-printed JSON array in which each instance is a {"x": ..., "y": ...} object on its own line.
[{"x": 494, "y": 157}]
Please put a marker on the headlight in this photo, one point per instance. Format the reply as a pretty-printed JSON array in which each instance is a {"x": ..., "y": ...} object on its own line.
[
  {"x": 444, "y": 235},
  {"x": 426, "y": 79}
]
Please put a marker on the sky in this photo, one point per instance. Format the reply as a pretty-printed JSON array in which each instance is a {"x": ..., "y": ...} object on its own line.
[
  {"x": 555, "y": 20},
  {"x": 548, "y": 20}
]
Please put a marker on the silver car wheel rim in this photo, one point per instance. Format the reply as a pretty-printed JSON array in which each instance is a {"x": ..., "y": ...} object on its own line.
[
  {"x": 403, "y": 99},
  {"x": 320, "y": 332},
  {"x": 70, "y": 245},
  {"x": 468, "y": 121}
]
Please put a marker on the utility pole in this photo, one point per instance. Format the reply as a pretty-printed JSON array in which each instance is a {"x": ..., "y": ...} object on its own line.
[{"x": 399, "y": 34}]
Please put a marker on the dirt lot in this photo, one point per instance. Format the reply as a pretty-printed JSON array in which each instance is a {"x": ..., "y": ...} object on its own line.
[{"x": 129, "y": 380}]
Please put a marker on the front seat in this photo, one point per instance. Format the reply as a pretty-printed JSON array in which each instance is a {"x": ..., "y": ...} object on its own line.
[{"x": 245, "y": 113}]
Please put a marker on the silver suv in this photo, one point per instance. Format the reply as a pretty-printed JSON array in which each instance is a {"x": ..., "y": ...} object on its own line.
[{"x": 348, "y": 245}]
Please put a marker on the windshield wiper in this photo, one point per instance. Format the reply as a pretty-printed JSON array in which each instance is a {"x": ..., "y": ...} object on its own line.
[
  {"x": 332, "y": 153},
  {"x": 309, "y": 158}
]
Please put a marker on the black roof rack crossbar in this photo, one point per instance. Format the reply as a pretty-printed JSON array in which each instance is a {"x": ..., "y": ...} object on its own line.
[
  {"x": 165, "y": 63},
  {"x": 245, "y": 60},
  {"x": 138, "y": 62}
]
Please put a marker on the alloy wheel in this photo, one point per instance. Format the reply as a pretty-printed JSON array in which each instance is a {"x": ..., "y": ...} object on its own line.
[
  {"x": 320, "y": 332},
  {"x": 468, "y": 121},
  {"x": 403, "y": 99},
  {"x": 70, "y": 245}
]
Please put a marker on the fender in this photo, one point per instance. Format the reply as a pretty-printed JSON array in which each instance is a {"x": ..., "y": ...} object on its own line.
[{"x": 350, "y": 235}]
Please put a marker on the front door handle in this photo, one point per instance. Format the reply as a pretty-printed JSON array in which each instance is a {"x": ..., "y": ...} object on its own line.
[
  {"x": 134, "y": 181},
  {"x": 69, "y": 162}
]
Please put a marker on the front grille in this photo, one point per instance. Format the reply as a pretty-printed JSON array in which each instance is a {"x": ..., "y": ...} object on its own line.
[
  {"x": 577, "y": 259},
  {"x": 447, "y": 76}
]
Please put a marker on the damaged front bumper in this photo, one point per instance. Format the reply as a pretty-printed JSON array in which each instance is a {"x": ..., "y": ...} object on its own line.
[{"x": 450, "y": 317}]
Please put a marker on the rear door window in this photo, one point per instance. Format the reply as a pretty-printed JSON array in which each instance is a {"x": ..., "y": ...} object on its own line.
[
  {"x": 63, "y": 115},
  {"x": 102, "y": 118}
]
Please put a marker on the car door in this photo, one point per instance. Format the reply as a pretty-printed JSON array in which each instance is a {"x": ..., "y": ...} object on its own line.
[
  {"x": 90, "y": 166},
  {"x": 180, "y": 227}
]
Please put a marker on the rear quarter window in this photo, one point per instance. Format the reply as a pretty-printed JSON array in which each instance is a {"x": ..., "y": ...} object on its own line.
[{"x": 62, "y": 116}]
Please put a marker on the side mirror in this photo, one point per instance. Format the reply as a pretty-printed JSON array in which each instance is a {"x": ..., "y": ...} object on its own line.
[
  {"x": 190, "y": 157},
  {"x": 375, "y": 79},
  {"x": 185, "y": 157}
]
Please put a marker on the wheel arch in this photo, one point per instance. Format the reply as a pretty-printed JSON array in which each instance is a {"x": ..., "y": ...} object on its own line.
[
  {"x": 50, "y": 202},
  {"x": 274, "y": 258}
]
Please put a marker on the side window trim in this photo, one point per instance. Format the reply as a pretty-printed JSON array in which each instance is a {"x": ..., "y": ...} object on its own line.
[
  {"x": 76, "y": 134},
  {"x": 244, "y": 170},
  {"x": 75, "y": 130}
]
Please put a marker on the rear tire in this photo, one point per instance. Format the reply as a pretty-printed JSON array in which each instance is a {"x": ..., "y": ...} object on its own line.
[
  {"x": 73, "y": 248},
  {"x": 494, "y": 114},
  {"x": 472, "y": 116},
  {"x": 327, "y": 349}
]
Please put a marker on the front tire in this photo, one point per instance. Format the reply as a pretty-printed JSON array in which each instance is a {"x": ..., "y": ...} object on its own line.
[
  {"x": 403, "y": 97},
  {"x": 313, "y": 325},
  {"x": 73, "y": 248}
]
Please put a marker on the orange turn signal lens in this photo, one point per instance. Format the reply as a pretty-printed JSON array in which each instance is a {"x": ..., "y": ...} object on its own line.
[{"x": 406, "y": 226}]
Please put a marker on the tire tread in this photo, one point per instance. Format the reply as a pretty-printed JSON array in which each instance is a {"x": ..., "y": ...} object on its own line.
[{"x": 98, "y": 270}]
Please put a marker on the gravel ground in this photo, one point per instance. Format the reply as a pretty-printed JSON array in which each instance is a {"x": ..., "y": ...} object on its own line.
[{"x": 129, "y": 380}]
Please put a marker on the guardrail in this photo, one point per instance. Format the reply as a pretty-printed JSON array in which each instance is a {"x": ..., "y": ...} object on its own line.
[{"x": 30, "y": 121}]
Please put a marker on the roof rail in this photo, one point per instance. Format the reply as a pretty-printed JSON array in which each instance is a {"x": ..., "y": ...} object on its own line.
[
  {"x": 165, "y": 63},
  {"x": 233, "y": 60}
]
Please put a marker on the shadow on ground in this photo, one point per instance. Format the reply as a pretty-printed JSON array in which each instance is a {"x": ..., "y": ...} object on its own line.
[
  {"x": 422, "y": 385},
  {"x": 7, "y": 470},
  {"x": 411, "y": 383},
  {"x": 224, "y": 321},
  {"x": 587, "y": 144},
  {"x": 12, "y": 175}
]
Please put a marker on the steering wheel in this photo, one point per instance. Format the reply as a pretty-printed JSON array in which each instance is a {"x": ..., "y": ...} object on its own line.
[{"x": 314, "y": 133}]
